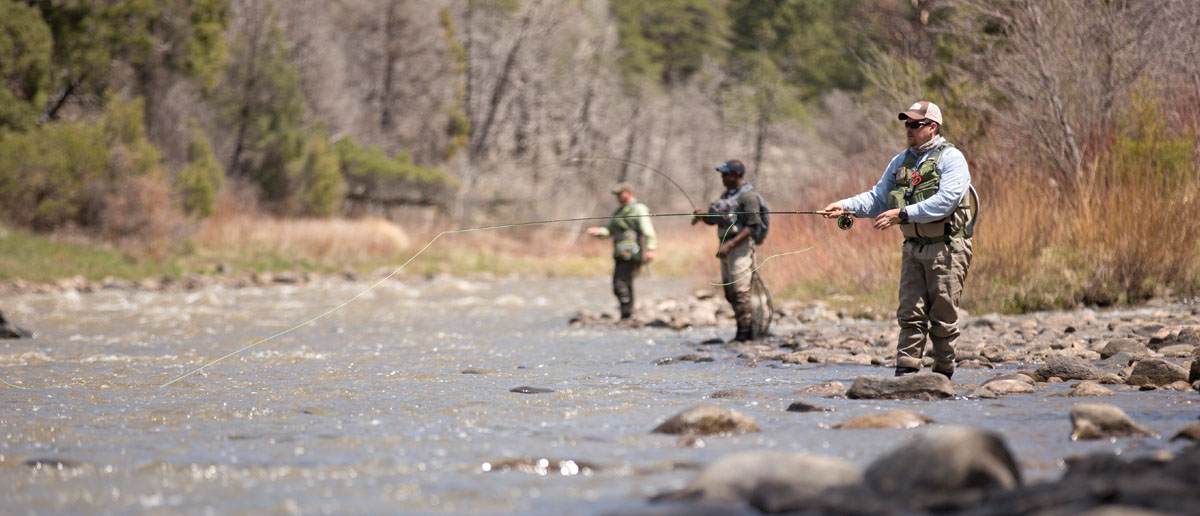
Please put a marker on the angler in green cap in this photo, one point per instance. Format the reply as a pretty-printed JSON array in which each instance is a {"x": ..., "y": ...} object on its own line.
[
  {"x": 926, "y": 192},
  {"x": 634, "y": 243}
]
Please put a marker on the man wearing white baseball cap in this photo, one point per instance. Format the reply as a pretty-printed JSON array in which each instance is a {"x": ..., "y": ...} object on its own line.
[{"x": 926, "y": 191}]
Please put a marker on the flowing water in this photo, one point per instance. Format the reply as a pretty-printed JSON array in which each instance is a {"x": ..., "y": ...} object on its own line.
[{"x": 400, "y": 403}]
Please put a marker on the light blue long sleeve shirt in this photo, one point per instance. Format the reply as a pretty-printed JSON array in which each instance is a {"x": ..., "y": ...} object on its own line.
[{"x": 955, "y": 180}]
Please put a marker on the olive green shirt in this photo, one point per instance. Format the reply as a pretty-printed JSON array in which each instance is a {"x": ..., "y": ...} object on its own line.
[{"x": 630, "y": 228}]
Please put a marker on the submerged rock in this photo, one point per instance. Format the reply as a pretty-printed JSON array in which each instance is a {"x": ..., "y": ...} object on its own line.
[
  {"x": 51, "y": 464},
  {"x": 800, "y": 406},
  {"x": 892, "y": 419},
  {"x": 1102, "y": 421},
  {"x": 914, "y": 386},
  {"x": 708, "y": 420},
  {"x": 542, "y": 466},
  {"x": 525, "y": 389}
]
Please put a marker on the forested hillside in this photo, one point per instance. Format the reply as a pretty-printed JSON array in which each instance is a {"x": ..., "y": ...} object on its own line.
[{"x": 132, "y": 119}]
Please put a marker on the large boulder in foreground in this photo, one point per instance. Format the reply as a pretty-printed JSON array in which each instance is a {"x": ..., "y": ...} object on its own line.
[
  {"x": 1109, "y": 485},
  {"x": 923, "y": 386},
  {"x": 1067, "y": 367},
  {"x": 708, "y": 420},
  {"x": 1103, "y": 421},
  {"x": 767, "y": 480},
  {"x": 946, "y": 464}
]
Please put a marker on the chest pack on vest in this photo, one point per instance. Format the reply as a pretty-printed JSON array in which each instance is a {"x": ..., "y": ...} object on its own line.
[
  {"x": 916, "y": 183},
  {"x": 627, "y": 239},
  {"x": 731, "y": 219}
]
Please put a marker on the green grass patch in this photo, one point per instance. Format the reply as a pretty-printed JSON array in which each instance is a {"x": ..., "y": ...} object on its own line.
[{"x": 42, "y": 259}]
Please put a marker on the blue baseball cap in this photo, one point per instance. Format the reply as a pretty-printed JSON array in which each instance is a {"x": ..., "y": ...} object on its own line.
[{"x": 732, "y": 166}]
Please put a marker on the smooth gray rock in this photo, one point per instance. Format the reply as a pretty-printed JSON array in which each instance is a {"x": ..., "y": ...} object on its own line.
[
  {"x": 1156, "y": 371},
  {"x": 914, "y": 386},
  {"x": 771, "y": 479},
  {"x": 1133, "y": 347},
  {"x": 824, "y": 388},
  {"x": 1068, "y": 368},
  {"x": 1011, "y": 383},
  {"x": 1187, "y": 335},
  {"x": 944, "y": 463},
  {"x": 1089, "y": 389},
  {"x": 1102, "y": 421},
  {"x": 708, "y": 420}
]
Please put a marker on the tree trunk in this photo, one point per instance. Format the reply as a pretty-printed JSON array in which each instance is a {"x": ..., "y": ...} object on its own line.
[
  {"x": 391, "y": 54},
  {"x": 499, "y": 93}
]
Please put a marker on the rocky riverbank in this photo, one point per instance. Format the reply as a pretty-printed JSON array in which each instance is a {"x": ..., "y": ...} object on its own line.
[{"x": 948, "y": 469}]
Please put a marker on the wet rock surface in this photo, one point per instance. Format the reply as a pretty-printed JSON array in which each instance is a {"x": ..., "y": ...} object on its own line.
[
  {"x": 708, "y": 420},
  {"x": 1145, "y": 348},
  {"x": 893, "y": 419},
  {"x": 959, "y": 470},
  {"x": 941, "y": 470},
  {"x": 1102, "y": 421},
  {"x": 921, "y": 386},
  {"x": 766, "y": 480}
]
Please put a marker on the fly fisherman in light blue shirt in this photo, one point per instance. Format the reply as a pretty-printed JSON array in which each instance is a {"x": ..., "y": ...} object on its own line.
[{"x": 926, "y": 191}]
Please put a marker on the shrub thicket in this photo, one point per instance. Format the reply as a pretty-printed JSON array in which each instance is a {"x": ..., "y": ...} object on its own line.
[{"x": 200, "y": 181}]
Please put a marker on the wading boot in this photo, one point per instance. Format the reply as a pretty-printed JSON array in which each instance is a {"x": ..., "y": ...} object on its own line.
[
  {"x": 947, "y": 374},
  {"x": 903, "y": 370},
  {"x": 626, "y": 311},
  {"x": 744, "y": 334}
]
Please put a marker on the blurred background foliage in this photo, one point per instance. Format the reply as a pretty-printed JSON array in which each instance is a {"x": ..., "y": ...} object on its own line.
[{"x": 143, "y": 126}]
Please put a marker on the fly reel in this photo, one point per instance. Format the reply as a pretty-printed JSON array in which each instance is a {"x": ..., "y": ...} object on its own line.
[{"x": 845, "y": 221}]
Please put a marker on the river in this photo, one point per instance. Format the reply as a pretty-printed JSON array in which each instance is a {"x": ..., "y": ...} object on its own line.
[{"x": 401, "y": 403}]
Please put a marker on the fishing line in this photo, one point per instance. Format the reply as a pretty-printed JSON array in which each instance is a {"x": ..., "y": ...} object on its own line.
[
  {"x": 422, "y": 250},
  {"x": 643, "y": 165}
]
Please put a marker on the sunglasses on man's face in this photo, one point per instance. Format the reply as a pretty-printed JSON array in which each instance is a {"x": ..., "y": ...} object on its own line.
[{"x": 913, "y": 124}]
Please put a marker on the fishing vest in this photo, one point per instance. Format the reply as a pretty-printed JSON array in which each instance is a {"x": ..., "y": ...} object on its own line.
[
  {"x": 731, "y": 220},
  {"x": 627, "y": 241},
  {"x": 915, "y": 183}
]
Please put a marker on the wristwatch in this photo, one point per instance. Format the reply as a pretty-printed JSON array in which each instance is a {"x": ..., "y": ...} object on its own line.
[{"x": 903, "y": 216}]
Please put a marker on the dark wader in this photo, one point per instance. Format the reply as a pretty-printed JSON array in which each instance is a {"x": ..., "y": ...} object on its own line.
[{"x": 623, "y": 274}]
